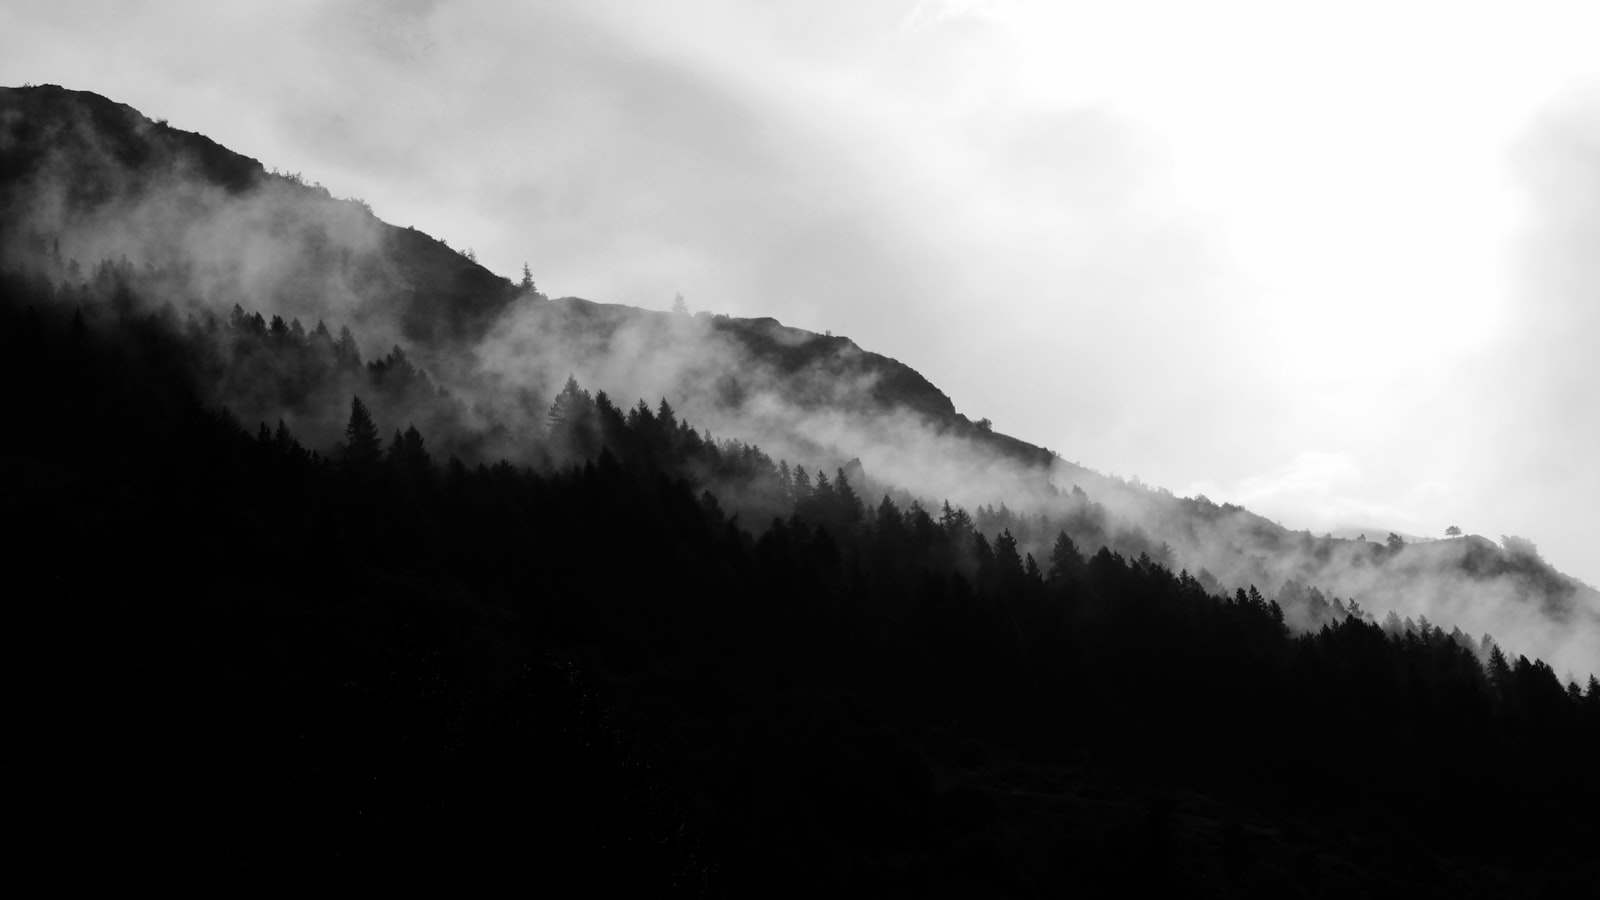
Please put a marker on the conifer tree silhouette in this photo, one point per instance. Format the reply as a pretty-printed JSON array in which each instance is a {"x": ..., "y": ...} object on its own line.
[
  {"x": 362, "y": 446},
  {"x": 345, "y": 349}
]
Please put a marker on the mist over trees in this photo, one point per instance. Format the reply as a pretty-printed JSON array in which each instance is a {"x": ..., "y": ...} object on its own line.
[
  {"x": 382, "y": 614},
  {"x": 191, "y": 224},
  {"x": 344, "y": 555}
]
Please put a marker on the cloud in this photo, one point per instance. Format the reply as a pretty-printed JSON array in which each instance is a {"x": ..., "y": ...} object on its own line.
[
  {"x": 1324, "y": 490},
  {"x": 1140, "y": 234}
]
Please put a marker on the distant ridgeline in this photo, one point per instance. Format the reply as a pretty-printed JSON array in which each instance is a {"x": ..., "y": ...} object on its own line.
[
  {"x": 287, "y": 607},
  {"x": 108, "y": 182}
]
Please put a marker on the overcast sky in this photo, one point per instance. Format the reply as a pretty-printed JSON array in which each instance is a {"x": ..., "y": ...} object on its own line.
[{"x": 1336, "y": 262}]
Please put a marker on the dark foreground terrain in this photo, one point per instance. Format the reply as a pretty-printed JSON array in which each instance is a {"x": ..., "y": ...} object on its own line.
[{"x": 229, "y": 657}]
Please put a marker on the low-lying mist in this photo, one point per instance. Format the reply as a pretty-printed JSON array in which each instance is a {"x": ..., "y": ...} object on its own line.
[{"x": 123, "y": 216}]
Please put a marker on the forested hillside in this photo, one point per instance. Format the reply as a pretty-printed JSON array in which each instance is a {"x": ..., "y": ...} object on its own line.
[
  {"x": 233, "y": 654},
  {"x": 93, "y": 194},
  {"x": 593, "y": 597}
]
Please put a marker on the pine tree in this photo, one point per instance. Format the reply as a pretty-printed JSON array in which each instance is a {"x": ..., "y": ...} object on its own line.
[
  {"x": 822, "y": 491},
  {"x": 955, "y": 521},
  {"x": 406, "y": 451},
  {"x": 1005, "y": 553},
  {"x": 1031, "y": 569},
  {"x": 922, "y": 525},
  {"x": 1499, "y": 672},
  {"x": 610, "y": 419},
  {"x": 851, "y": 509},
  {"x": 414, "y": 451},
  {"x": 570, "y": 407},
  {"x": 890, "y": 524},
  {"x": 345, "y": 349},
  {"x": 362, "y": 445},
  {"x": 984, "y": 553},
  {"x": 802, "y": 485}
]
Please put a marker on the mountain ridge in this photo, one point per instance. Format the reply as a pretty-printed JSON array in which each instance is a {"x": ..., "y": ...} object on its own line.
[
  {"x": 217, "y": 227},
  {"x": 84, "y": 153},
  {"x": 46, "y": 127},
  {"x": 536, "y": 640}
]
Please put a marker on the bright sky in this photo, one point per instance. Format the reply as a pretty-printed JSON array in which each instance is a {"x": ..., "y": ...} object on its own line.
[{"x": 1330, "y": 261}]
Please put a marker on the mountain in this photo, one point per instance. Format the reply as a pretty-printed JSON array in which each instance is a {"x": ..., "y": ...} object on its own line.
[
  {"x": 103, "y": 181},
  {"x": 86, "y": 182},
  {"x": 113, "y": 183},
  {"x": 341, "y": 559}
]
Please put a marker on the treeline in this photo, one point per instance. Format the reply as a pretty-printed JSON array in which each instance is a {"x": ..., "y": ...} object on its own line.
[
  {"x": 234, "y": 655},
  {"x": 302, "y": 374}
]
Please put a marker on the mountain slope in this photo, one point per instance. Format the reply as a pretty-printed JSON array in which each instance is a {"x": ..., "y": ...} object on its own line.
[
  {"x": 85, "y": 181},
  {"x": 540, "y": 636},
  {"x": 107, "y": 182},
  {"x": 101, "y": 181},
  {"x": 228, "y": 657}
]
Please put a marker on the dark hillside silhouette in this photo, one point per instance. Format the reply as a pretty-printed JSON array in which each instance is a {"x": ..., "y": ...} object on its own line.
[
  {"x": 298, "y": 600},
  {"x": 84, "y": 180},
  {"x": 98, "y": 158},
  {"x": 374, "y": 662}
]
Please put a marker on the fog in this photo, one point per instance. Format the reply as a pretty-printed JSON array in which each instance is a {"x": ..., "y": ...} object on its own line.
[
  {"x": 1335, "y": 294},
  {"x": 286, "y": 248},
  {"x": 1335, "y": 224}
]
